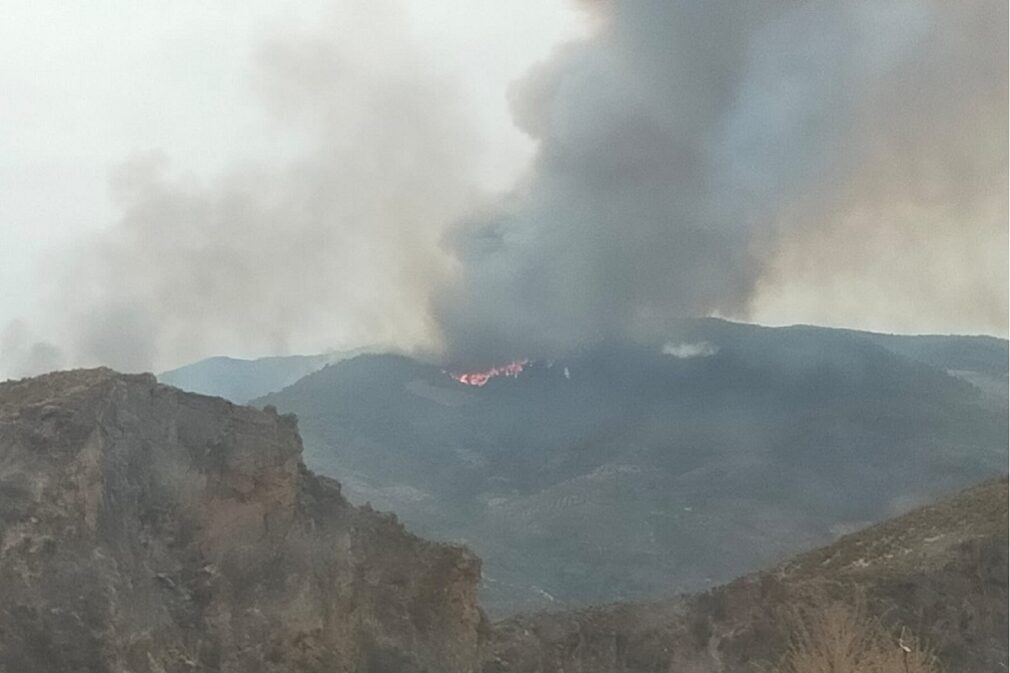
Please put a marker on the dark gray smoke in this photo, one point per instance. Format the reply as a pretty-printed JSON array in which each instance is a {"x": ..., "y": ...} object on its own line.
[{"x": 686, "y": 142}]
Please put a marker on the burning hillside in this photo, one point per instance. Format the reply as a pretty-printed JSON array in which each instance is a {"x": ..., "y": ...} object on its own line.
[{"x": 479, "y": 378}]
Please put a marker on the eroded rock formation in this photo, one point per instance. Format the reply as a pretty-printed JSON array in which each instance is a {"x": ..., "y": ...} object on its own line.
[{"x": 144, "y": 529}]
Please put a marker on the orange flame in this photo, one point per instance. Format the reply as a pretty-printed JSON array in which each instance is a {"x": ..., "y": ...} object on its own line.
[{"x": 480, "y": 378}]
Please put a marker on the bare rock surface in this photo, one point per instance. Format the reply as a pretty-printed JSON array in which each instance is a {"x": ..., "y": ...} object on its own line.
[{"x": 147, "y": 530}]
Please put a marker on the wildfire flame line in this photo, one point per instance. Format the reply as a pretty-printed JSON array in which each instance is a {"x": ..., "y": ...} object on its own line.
[{"x": 480, "y": 378}]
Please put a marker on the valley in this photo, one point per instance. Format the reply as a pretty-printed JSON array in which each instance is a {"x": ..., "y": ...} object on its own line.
[{"x": 627, "y": 473}]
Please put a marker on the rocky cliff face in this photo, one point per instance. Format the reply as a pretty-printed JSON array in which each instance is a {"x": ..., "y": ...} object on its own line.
[{"x": 144, "y": 529}]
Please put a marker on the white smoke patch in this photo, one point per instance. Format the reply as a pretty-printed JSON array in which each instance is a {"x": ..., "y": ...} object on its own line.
[{"x": 701, "y": 349}]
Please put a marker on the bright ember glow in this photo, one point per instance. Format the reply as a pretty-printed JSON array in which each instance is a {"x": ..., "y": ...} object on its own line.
[{"x": 513, "y": 369}]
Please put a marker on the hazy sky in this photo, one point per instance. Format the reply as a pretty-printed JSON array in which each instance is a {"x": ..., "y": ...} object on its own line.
[{"x": 201, "y": 177}]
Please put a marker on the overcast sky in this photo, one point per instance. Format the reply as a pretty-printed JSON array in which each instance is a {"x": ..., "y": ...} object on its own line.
[{"x": 200, "y": 177}]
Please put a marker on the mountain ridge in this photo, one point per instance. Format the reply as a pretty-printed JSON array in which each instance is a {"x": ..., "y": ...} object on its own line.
[
  {"x": 240, "y": 380},
  {"x": 784, "y": 437}
]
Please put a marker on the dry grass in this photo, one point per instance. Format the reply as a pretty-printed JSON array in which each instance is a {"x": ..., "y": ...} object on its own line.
[{"x": 841, "y": 638}]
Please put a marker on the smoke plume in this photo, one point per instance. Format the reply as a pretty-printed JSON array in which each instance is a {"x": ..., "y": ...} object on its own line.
[
  {"x": 690, "y": 149},
  {"x": 334, "y": 246},
  {"x": 840, "y": 162}
]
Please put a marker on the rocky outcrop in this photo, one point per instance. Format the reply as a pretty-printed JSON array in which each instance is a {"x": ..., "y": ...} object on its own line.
[
  {"x": 940, "y": 573},
  {"x": 148, "y": 530}
]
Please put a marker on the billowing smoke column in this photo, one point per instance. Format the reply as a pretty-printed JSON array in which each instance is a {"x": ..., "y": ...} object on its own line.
[
  {"x": 820, "y": 160},
  {"x": 685, "y": 140}
]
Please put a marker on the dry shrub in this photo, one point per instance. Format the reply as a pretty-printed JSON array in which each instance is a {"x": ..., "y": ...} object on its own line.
[{"x": 842, "y": 638}]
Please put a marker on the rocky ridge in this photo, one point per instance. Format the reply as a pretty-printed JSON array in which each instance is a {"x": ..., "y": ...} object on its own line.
[{"x": 148, "y": 530}]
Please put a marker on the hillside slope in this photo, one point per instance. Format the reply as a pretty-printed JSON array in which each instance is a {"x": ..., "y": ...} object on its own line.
[
  {"x": 626, "y": 473},
  {"x": 149, "y": 530},
  {"x": 940, "y": 572}
]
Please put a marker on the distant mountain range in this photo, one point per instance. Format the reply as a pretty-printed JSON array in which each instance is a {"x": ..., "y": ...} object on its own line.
[
  {"x": 241, "y": 380},
  {"x": 630, "y": 472}
]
